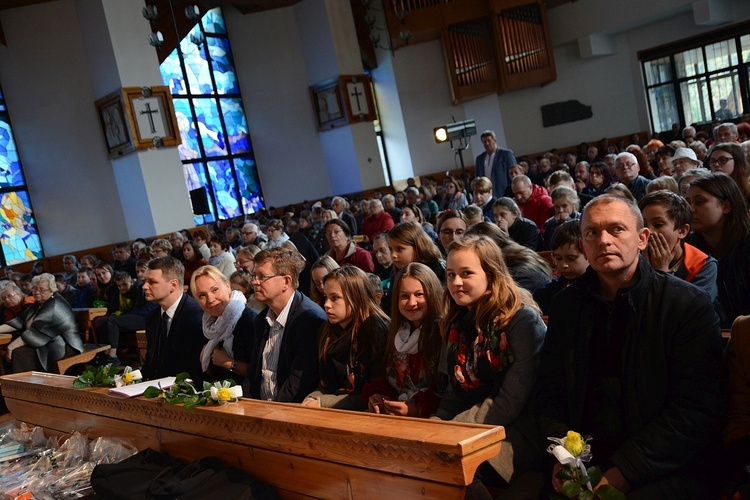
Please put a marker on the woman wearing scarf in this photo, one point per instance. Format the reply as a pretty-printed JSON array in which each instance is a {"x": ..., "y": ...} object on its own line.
[{"x": 227, "y": 324}]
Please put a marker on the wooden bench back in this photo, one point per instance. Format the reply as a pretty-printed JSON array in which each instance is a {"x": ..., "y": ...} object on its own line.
[{"x": 302, "y": 451}]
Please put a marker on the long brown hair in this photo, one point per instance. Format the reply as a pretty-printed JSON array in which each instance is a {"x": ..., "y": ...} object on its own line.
[
  {"x": 413, "y": 234},
  {"x": 431, "y": 331},
  {"x": 357, "y": 292},
  {"x": 503, "y": 297}
]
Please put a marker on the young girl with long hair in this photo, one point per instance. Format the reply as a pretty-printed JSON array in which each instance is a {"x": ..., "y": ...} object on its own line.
[
  {"x": 351, "y": 343},
  {"x": 721, "y": 228},
  {"x": 409, "y": 242},
  {"x": 319, "y": 270},
  {"x": 729, "y": 158},
  {"x": 495, "y": 333},
  {"x": 413, "y": 348}
]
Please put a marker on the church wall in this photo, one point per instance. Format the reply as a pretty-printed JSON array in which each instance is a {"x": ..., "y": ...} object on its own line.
[
  {"x": 271, "y": 72},
  {"x": 50, "y": 98}
]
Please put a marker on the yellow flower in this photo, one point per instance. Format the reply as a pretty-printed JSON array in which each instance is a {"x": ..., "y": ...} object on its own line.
[
  {"x": 127, "y": 377},
  {"x": 224, "y": 394},
  {"x": 573, "y": 443}
]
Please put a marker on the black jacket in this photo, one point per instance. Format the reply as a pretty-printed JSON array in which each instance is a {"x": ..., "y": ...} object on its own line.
[
  {"x": 184, "y": 342},
  {"x": 672, "y": 373},
  {"x": 297, "y": 371}
]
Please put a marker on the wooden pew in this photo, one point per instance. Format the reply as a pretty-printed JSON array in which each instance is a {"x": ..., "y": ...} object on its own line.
[
  {"x": 89, "y": 352},
  {"x": 305, "y": 452},
  {"x": 85, "y": 317}
]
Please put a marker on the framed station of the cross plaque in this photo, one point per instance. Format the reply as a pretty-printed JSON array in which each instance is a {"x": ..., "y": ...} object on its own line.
[{"x": 138, "y": 118}]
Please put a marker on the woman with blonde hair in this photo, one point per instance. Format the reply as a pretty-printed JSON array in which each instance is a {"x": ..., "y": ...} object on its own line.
[
  {"x": 227, "y": 324},
  {"x": 351, "y": 343},
  {"x": 412, "y": 353},
  {"x": 494, "y": 335}
]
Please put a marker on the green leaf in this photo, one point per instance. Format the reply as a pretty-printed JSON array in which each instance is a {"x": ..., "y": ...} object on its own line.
[
  {"x": 181, "y": 377},
  {"x": 151, "y": 392},
  {"x": 609, "y": 492},
  {"x": 595, "y": 475},
  {"x": 571, "y": 488},
  {"x": 586, "y": 495},
  {"x": 564, "y": 474},
  {"x": 207, "y": 386},
  {"x": 80, "y": 384}
]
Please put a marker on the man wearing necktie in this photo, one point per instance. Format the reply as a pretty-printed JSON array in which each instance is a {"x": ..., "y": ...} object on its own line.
[{"x": 174, "y": 330}]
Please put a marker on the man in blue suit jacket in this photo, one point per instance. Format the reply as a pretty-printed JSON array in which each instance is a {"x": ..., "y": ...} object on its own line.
[
  {"x": 494, "y": 163},
  {"x": 174, "y": 330},
  {"x": 284, "y": 357}
]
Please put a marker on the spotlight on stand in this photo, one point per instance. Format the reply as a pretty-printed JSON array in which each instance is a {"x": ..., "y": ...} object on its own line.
[
  {"x": 455, "y": 131},
  {"x": 458, "y": 132}
]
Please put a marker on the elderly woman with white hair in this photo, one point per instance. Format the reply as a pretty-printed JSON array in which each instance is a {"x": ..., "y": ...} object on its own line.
[{"x": 45, "y": 331}]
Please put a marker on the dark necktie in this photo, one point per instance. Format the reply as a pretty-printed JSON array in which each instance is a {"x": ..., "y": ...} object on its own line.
[{"x": 161, "y": 339}]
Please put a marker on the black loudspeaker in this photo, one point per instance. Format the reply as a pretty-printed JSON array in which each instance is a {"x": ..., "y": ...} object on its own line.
[{"x": 199, "y": 200}]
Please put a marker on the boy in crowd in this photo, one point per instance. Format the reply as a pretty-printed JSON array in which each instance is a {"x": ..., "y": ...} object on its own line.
[
  {"x": 668, "y": 217},
  {"x": 569, "y": 261},
  {"x": 482, "y": 189},
  {"x": 85, "y": 293},
  {"x": 474, "y": 215},
  {"x": 63, "y": 288},
  {"x": 25, "y": 284}
]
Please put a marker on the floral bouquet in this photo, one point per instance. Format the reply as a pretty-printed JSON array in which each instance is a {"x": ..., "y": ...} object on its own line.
[
  {"x": 578, "y": 482},
  {"x": 106, "y": 376},
  {"x": 128, "y": 376},
  {"x": 185, "y": 393}
]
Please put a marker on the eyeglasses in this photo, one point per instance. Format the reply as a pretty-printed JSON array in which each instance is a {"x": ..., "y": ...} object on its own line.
[
  {"x": 623, "y": 166},
  {"x": 241, "y": 263},
  {"x": 247, "y": 233},
  {"x": 722, "y": 160},
  {"x": 9, "y": 296},
  {"x": 262, "y": 278},
  {"x": 449, "y": 232},
  {"x": 335, "y": 232},
  {"x": 39, "y": 290}
]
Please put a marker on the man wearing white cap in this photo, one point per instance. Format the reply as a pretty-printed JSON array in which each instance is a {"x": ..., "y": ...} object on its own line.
[{"x": 684, "y": 159}]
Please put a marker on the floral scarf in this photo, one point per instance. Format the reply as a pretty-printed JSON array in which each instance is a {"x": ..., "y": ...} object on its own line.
[{"x": 476, "y": 357}]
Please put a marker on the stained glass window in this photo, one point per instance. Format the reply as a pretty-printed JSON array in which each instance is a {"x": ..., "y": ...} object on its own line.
[
  {"x": 19, "y": 236},
  {"x": 216, "y": 151}
]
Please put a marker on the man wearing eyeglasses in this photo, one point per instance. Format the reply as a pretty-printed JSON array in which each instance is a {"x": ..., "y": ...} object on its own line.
[
  {"x": 284, "y": 357},
  {"x": 627, "y": 171}
]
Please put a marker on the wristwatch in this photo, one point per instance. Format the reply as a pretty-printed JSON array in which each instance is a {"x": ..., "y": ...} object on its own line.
[{"x": 233, "y": 368}]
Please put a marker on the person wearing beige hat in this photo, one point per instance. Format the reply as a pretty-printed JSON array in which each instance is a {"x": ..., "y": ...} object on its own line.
[{"x": 684, "y": 159}]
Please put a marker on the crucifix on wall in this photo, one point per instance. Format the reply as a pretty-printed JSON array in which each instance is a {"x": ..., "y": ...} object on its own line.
[{"x": 358, "y": 96}]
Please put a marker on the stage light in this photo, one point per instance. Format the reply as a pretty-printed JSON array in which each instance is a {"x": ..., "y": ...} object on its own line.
[
  {"x": 441, "y": 134},
  {"x": 455, "y": 131}
]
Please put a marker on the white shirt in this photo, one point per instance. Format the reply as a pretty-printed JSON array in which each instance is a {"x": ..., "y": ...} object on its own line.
[{"x": 272, "y": 350}]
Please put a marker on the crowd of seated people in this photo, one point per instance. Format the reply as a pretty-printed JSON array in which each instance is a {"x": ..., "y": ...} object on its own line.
[{"x": 432, "y": 303}]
